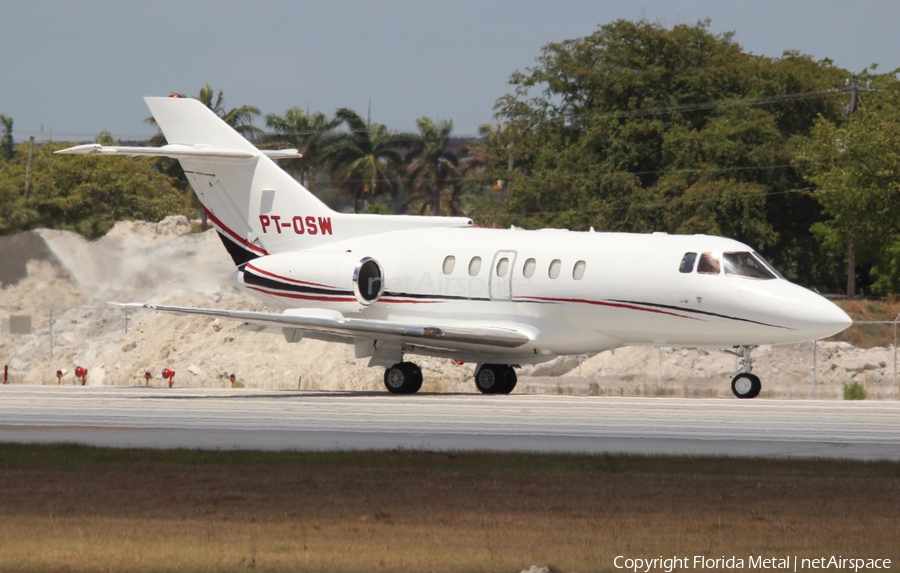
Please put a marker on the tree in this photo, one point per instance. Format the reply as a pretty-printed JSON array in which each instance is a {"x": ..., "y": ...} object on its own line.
[
  {"x": 83, "y": 193},
  {"x": 365, "y": 160},
  {"x": 105, "y": 138},
  {"x": 641, "y": 128},
  {"x": 855, "y": 164},
  {"x": 305, "y": 132},
  {"x": 6, "y": 140},
  {"x": 432, "y": 167}
]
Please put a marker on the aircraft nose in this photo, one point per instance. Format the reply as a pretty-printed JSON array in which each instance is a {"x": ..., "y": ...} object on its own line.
[
  {"x": 834, "y": 319},
  {"x": 821, "y": 317}
]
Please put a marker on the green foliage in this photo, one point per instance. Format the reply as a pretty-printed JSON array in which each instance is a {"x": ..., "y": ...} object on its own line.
[
  {"x": 433, "y": 169},
  {"x": 6, "y": 139},
  {"x": 364, "y": 161},
  {"x": 304, "y": 131},
  {"x": 105, "y": 138},
  {"x": 616, "y": 131},
  {"x": 82, "y": 193},
  {"x": 856, "y": 165},
  {"x": 854, "y": 391}
]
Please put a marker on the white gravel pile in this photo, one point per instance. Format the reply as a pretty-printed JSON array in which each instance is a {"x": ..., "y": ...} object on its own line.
[{"x": 165, "y": 263}]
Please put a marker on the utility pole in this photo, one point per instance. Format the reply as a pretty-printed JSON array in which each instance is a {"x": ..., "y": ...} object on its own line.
[
  {"x": 28, "y": 166},
  {"x": 852, "y": 87}
]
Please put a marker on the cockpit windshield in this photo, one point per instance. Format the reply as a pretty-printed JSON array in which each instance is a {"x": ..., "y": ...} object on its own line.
[{"x": 747, "y": 265}]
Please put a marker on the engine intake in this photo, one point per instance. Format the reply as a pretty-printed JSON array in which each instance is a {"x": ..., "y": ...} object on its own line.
[
  {"x": 368, "y": 281},
  {"x": 340, "y": 279}
]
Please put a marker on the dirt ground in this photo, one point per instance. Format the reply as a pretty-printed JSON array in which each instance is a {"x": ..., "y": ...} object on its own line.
[{"x": 59, "y": 277}]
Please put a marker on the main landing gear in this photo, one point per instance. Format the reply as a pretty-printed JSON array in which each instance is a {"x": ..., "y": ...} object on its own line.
[
  {"x": 403, "y": 378},
  {"x": 745, "y": 384},
  {"x": 406, "y": 378},
  {"x": 495, "y": 378}
]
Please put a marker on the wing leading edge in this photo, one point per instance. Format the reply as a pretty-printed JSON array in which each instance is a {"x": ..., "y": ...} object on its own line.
[{"x": 332, "y": 322}]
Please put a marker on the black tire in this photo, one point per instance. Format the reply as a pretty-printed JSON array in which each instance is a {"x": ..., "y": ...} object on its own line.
[
  {"x": 403, "y": 378},
  {"x": 510, "y": 381},
  {"x": 495, "y": 379},
  {"x": 490, "y": 379},
  {"x": 417, "y": 376},
  {"x": 746, "y": 385},
  {"x": 757, "y": 387}
]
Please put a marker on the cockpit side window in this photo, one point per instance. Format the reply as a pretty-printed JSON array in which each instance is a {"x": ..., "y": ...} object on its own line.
[
  {"x": 745, "y": 265},
  {"x": 687, "y": 263},
  {"x": 708, "y": 265}
]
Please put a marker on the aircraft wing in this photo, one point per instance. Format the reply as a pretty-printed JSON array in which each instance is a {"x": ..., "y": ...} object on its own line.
[{"x": 333, "y": 322}]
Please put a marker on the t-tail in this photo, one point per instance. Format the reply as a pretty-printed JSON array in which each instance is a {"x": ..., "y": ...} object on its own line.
[{"x": 256, "y": 207}]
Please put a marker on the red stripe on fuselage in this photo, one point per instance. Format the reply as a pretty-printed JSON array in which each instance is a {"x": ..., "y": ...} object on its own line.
[
  {"x": 336, "y": 298},
  {"x": 232, "y": 234},
  {"x": 610, "y": 304},
  {"x": 305, "y": 296}
]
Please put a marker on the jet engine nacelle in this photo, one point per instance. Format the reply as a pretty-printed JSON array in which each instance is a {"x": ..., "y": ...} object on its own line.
[{"x": 321, "y": 277}]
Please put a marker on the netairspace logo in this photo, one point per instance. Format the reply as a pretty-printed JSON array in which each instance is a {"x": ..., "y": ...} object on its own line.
[{"x": 786, "y": 563}]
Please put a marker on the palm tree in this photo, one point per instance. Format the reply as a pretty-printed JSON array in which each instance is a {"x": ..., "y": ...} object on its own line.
[
  {"x": 365, "y": 159},
  {"x": 240, "y": 118},
  {"x": 305, "y": 132},
  {"x": 432, "y": 168}
]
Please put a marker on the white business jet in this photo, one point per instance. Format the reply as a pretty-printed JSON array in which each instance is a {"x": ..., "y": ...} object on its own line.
[{"x": 396, "y": 285}]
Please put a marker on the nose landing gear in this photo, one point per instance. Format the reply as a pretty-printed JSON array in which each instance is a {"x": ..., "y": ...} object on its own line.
[{"x": 745, "y": 384}]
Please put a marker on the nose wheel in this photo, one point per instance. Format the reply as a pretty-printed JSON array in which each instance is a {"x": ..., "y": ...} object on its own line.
[
  {"x": 403, "y": 378},
  {"x": 745, "y": 384}
]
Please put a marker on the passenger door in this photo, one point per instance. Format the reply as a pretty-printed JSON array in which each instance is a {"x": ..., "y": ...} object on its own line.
[{"x": 500, "y": 280}]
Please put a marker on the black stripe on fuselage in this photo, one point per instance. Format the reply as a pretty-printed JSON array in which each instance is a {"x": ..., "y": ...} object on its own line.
[
  {"x": 704, "y": 312},
  {"x": 254, "y": 279},
  {"x": 239, "y": 254},
  {"x": 432, "y": 296}
]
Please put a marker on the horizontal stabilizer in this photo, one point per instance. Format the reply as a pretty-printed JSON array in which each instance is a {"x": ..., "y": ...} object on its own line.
[
  {"x": 177, "y": 152},
  {"x": 331, "y": 322}
]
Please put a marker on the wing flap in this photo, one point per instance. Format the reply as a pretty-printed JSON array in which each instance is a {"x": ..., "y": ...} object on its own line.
[{"x": 332, "y": 322}]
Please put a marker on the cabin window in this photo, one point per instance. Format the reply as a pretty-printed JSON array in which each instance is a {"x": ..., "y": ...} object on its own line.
[
  {"x": 553, "y": 271},
  {"x": 745, "y": 265},
  {"x": 502, "y": 267},
  {"x": 687, "y": 263},
  {"x": 578, "y": 270},
  {"x": 528, "y": 269},
  {"x": 708, "y": 265},
  {"x": 474, "y": 266},
  {"x": 449, "y": 263}
]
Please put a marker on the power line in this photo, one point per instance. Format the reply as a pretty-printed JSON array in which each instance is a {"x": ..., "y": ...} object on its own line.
[
  {"x": 678, "y": 201},
  {"x": 650, "y": 111}
]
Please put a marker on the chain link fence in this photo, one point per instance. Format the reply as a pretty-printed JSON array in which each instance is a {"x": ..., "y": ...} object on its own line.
[{"x": 867, "y": 353}]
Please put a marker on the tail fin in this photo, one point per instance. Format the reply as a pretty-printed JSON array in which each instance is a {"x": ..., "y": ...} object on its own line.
[{"x": 257, "y": 208}]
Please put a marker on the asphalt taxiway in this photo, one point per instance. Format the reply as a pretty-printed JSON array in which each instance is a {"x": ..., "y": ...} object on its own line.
[{"x": 308, "y": 420}]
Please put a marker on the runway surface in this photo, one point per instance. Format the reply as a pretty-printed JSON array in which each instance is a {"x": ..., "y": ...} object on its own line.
[{"x": 308, "y": 420}]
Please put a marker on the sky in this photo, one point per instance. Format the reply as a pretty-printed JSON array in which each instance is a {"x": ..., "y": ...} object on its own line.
[{"x": 73, "y": 68}]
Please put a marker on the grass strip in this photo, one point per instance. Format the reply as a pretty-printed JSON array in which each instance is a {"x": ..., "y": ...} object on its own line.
[{"x": 78, "y": 508}]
